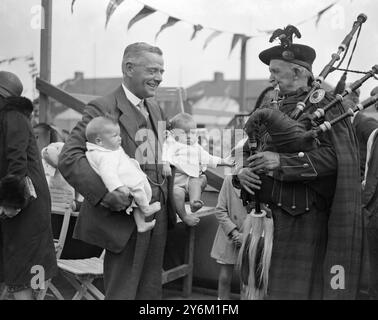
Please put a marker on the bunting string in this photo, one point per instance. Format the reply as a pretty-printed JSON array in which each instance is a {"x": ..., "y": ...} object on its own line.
[{"x": 236, "y": 37}]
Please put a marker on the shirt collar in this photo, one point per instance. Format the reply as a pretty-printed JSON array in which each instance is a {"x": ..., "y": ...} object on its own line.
[{"x": 131, "y": 96}]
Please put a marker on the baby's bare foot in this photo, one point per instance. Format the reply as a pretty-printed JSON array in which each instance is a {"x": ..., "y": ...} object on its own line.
[
  {"x": 152, "y": 208},
  {"x": 146, "y": 226},
  {"x": 196, "y": 205}
]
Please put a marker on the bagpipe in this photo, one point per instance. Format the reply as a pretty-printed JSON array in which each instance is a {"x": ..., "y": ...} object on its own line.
[
  {"x": 289, "y": 133},
  {"x": 343, "y": 47}
]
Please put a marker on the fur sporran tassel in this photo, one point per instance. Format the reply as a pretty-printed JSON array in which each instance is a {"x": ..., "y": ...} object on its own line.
[
  {"x": 268, "y": 245},
  {"x": 256, "y": 249},
  {"x": 255, "y": 257},
  {"x": 242, "y": 263}
]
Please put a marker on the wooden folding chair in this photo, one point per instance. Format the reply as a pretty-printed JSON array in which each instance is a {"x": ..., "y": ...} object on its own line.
[
  {"x": 61, "y": 201},
  {"x": 80, "y": 273}
]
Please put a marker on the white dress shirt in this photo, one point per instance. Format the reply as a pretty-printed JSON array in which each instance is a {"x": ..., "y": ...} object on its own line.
[{"x": 137, "y": 102}]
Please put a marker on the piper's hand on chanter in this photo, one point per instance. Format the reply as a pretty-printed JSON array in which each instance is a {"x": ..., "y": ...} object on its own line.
[
  {"x": 116, "y": 200},
  {"x": 265, "y": 161},
  {"x": 249, "y": 180}
]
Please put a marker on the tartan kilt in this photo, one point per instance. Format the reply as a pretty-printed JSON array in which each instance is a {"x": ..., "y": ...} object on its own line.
[{"x": 299, "y": 246}]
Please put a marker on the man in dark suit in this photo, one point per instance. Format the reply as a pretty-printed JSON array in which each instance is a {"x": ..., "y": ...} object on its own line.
[{"x": 133, "y": 261}]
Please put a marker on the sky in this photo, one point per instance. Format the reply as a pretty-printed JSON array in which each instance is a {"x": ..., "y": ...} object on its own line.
[{"x": 80, "y": 41}]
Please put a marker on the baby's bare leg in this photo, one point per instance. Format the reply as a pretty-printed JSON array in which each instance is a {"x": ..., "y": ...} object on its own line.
[
  {"x": 151, "y": 209},
  {"x": 142, "y": 200},
  {"x": 196, "y": 185},
  {"x": 142, "y": 225},
  {"x": 189, "y": 219}
]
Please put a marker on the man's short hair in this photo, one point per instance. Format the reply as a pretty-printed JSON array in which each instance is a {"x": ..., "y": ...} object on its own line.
[
  {"x": 96, "y": 126},
  {"x": 133, "y": 52}
]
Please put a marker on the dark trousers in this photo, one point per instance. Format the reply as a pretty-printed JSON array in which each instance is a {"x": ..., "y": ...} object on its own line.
[
  {"x": 372, "y": 236},
  {"x": 136, "y": 272}
]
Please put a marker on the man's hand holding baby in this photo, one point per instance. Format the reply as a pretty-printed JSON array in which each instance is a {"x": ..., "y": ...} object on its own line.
[{"x": 117, "y": 200}]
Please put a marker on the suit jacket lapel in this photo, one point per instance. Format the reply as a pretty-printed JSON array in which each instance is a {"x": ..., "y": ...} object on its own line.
[{"x": 130, "y": 119}]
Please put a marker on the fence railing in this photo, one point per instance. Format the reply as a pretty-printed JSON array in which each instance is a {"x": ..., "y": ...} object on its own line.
[{"x": 60, "y": 95}]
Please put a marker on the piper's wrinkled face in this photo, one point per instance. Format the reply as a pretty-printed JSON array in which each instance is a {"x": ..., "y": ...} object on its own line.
[
  {"x": 110, "y": 138},
  {"x": 146, "y": 75},
  {"x": 282, "y": 74}
]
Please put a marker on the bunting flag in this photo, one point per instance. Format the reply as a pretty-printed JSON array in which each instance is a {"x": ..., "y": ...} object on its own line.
[
  {"x": 170, "y": 22},
  {"x": 317, "y": 16},
  {"x": 146, "y": 11},
  {"x": 321, "y": 12},
  {"x": 235, "y": 40},
  {"x": 112, "y": 6},
  {"x": 13, "y": 59},
  {"x": 212, "y": 36},
  {"x": 33, "y": 69},
  {"x": 72, "y": 5},
  {"x": 196, "y": 29}
]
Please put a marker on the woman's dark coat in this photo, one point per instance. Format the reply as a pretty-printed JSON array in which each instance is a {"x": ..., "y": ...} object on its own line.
[{"x": 26, "y": 239}]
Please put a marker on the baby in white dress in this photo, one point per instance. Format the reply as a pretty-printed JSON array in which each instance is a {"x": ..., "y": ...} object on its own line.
[{"x": 118, "y": 171}]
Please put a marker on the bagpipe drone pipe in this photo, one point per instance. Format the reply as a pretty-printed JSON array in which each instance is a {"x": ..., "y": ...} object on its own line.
[
  {"x": 328, "y": 125},
  {"x": 302, "y": 106}
]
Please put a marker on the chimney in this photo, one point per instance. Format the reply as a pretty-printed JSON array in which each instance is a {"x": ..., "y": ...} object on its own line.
[
  {"x": 78, "y": 75},
  {"x": 218, "y": 76}
]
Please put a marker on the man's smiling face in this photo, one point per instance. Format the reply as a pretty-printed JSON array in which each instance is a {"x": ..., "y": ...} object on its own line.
[{"x": 146, "y": 75}]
